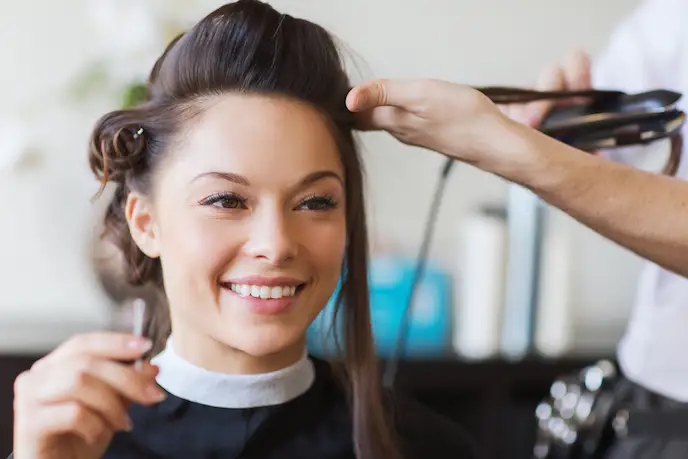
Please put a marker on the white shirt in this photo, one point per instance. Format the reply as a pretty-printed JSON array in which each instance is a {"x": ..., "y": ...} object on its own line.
[{"x": 649, "y": 50}]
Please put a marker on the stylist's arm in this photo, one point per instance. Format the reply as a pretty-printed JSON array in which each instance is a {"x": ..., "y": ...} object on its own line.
[
  {"x": 70, "y": 403},
  {"x": 643, "y": 212}
]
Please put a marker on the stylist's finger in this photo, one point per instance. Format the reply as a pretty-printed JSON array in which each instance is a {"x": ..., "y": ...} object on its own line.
[
  {"x": 577, "y": 71},
  {"x": 394, "y": 120},
  {"x": 128, "y": 382},
  {"x": 88, "y": 391},
  {"x": 403, "y": 107},
  {"x": 110, "y": 345},
  {"x": 573, "y": 74},
  {"x": 400, "y": 93},
  {"x": 551, "y": 79},
  {"x": 388, "y": 104}
]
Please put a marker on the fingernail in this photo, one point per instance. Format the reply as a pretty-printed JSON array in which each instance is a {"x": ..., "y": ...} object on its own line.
[
  {"x": 140, "y": 344},
  {"x": 154, "y": 393},
  {"x": 128, "y": 425}
]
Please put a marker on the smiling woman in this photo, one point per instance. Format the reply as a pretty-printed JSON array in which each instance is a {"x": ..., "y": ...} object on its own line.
[
  {"x": 252, "y": 199},
  {"x": 240, "y": 198}
]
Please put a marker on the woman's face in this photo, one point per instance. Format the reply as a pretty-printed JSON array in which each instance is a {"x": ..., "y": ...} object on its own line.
[{"x": 248, "y": 219}]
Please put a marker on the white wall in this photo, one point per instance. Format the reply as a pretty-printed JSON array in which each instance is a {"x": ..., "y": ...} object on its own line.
[{"x": 45, "y": 210}]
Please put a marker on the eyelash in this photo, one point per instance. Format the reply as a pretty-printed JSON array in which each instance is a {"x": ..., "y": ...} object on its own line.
[
  {"x": 325, "y": 202},
  {"x": 220, "y": 197}
]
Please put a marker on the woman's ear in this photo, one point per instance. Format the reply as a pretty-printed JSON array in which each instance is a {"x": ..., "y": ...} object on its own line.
[{"x": 141, "y": 221}]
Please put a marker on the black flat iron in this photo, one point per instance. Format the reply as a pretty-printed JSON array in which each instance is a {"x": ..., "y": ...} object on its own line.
[
  {"x": 606, "y": 119},
  {"x": 589, "y": 120}
]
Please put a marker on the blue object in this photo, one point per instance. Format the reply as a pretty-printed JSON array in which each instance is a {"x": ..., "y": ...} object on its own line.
[{"x": 390, "y": 287}]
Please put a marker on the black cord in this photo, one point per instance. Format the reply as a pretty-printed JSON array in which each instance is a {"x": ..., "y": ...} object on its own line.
[{"x": 400, "y": 346}]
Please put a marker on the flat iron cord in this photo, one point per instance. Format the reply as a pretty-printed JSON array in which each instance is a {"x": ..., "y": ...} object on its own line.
[{"x": 400, "y": 344}]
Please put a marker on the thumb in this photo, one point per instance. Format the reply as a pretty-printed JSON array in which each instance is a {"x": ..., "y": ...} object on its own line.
[{"x": 383, "y": 92}]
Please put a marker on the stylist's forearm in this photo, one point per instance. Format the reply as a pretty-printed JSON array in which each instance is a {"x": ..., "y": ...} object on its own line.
[{"x": 646, "y": 213}]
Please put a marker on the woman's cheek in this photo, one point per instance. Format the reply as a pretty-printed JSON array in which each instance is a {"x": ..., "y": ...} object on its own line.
[{"x": 203, "y": 245}]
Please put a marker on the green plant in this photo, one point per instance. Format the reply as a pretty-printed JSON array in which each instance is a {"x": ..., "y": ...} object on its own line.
[{"x": 134, "y": 94}]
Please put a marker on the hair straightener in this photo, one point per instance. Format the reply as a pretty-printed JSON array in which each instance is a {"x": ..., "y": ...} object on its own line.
[
  {"x": 589, "y": 120},
  {"x": 607, "y": 119}
]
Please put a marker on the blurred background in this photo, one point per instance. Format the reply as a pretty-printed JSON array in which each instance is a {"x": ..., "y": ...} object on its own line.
[{"x": 65, "y": 63}]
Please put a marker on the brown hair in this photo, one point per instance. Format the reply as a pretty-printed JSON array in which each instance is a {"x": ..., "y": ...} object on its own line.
[{"x": 249, "y": 47}]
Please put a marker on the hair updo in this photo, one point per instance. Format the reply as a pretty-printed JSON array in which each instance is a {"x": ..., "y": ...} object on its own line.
[{"x": 248, "y": 47}]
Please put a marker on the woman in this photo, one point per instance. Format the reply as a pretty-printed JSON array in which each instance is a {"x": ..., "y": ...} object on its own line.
[{"x": 239, "y": 196}]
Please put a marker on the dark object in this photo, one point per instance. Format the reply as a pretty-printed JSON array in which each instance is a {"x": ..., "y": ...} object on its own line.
[
  {"x": 648, "y": 426},
  {"x": 596, "y": 413},
  {"x": 315, "y": 425},
  {"x": 575, "y": 420},
  {"x": 492, "y": 400},
  {"x": 606, "y": 119}
]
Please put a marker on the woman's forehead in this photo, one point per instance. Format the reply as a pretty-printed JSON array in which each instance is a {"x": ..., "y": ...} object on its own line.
[{"x": 261, "y": 138}]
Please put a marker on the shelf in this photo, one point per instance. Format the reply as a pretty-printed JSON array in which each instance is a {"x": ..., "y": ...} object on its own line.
[{"x": 448, "y": 372}]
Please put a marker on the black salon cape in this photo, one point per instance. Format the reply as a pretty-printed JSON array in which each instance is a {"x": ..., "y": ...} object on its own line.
[{"x": 315, "y": 425}]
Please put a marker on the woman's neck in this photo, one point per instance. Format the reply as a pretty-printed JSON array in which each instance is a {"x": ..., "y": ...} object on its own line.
[{"x": 206, "y": 352}]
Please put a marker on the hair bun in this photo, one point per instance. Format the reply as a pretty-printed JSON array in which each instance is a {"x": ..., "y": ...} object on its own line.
[{"x": 116, "y": 148}]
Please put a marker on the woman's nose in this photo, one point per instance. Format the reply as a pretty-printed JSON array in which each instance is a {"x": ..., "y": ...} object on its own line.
[{"x": 271, "y": 238}]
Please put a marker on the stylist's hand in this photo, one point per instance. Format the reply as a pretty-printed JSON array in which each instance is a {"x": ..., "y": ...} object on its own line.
[
  {"x": 453, "y": 119},
  {"x": 71, "y": 402},
  {"x": 459, "y": 121}
]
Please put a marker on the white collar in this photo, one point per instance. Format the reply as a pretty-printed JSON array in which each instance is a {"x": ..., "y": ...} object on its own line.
[{"x": 184, "y": 380}]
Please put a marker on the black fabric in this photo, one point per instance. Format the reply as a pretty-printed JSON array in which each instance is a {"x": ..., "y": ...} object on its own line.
[
  {"x": 665, "y": 436},
  {"x": 316, "y": 425},
  {"x": 648, "y": 448}
]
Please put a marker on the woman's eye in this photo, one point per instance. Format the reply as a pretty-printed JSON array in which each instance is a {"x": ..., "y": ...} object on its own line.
[
  {"x": 318, "y": 203},
  {"x": 225, "y": 202}
]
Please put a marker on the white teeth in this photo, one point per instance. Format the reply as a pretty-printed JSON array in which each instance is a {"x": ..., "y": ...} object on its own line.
[{"x": 263, "y": 291}]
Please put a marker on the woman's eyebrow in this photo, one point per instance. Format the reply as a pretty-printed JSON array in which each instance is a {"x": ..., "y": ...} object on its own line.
[
  {"x": 229, "y": 176},
  {"x": 241, "y": 180},
  {"x": 319, "y": 175}
]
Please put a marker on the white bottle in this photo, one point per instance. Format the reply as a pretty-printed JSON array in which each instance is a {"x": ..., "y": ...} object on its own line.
[
  {"x": 553, "y": 320},
  {"x": 479, "y": 295}
]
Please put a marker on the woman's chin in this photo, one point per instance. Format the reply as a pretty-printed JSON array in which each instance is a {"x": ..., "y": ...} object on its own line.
[{"x": 265, "y": 341}]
